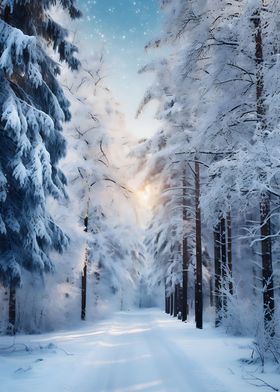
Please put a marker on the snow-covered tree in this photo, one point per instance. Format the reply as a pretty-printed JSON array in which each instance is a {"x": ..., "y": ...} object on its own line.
[
  {"x": 171, "y": 233},
  {"x": 100, "y": 200},
  {"x": 223, "y": 72},
  {"x": 33, "y": 108}
]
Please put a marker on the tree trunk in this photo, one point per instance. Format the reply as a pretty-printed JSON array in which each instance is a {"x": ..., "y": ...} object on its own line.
[
  {"x": 198, "y": 282},
  {"x": 229, "y": 252},
  {"x": 84, "y": 278},
  {"x": 166, "y": 302},
  {"x": 171, "y": 304},
  {"x": 12, "y": 311},
  {"x": 267, "y": 270},
  {"x": 185, "y": 255},
  {"x": 175, "y": 313},
  {"x": 218, "y": 273},
  {"x": 224, "y": 265},
  {"x": 168, "y": 305},
  {"x": 211, "y": 288},
  {"x": 266, "y": 246},
  {"x": 84, "y": 292},
  {"x": 185, "y": 309},
  {"x": 180, "y": 301}
]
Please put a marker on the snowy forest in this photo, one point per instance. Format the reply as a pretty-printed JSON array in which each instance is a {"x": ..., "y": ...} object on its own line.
[{"x": 166, "y": 241}]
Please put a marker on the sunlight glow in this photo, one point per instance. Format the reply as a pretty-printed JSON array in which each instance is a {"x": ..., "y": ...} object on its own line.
[
  {"x": 145, "y": 194},
  {"x": 141, "y": 387},
  {"x": 122, "y": 360},
  {"x": 119, "y": 332}
]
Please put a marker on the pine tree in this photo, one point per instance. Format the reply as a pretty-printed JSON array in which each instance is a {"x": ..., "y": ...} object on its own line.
[{"x": 33, "y": 108}]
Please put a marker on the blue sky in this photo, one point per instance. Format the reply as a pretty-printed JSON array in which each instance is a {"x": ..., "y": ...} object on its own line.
[
  {"x": 123, "y": 27},
  {"x": 128, "y": 23}
]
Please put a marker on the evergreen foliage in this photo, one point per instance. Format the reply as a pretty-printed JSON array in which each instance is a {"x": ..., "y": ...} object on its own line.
[{"x": 33, "y": 107}]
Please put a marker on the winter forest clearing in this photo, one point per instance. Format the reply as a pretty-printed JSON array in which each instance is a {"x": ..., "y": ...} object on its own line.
[{"x": 139, "y": 174}]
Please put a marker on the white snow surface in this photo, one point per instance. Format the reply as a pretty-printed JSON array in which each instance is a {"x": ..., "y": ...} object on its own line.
[{"x": 139, "y": 350}]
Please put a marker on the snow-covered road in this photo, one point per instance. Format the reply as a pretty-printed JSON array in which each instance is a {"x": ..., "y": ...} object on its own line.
[{"x": 141, "y": 350}]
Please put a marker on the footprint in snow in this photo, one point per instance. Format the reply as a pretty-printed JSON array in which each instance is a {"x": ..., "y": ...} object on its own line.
[{"x": 23, "y": 370}]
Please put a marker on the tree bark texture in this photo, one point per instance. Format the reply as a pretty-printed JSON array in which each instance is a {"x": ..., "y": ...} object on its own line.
[
  {"x": 12, "y": 311},
  {"x": 185, "y": 255},
  {"x": 198, "y": 282},
  {"x": 218, "y": 273},
  {"x": 84, "y": 278}
]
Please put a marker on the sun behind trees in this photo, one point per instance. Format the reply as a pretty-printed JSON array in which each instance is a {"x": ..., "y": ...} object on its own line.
[{"x": 207, "y": 181}]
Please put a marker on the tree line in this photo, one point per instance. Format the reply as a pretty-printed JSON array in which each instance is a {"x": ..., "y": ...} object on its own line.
[{"x": 214, "y": 165}]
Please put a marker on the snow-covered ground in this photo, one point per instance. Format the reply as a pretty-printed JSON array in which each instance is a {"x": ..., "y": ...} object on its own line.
[{"x": 143, "y": 350}]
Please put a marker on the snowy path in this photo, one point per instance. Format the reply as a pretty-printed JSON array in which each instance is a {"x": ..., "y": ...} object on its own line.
[{"x": 141, "y": 350}]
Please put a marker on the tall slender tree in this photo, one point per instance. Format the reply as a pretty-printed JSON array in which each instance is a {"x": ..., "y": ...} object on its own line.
[
  {"x": 185, "y": 252},
  {"x": 265, "y": 224},
  {"x": 198, "y": 281}
]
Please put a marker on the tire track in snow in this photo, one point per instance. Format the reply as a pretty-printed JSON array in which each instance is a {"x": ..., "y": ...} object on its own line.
[
  {"x": 183, "y": 373},
  {"x": 144, "y": 358}
]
